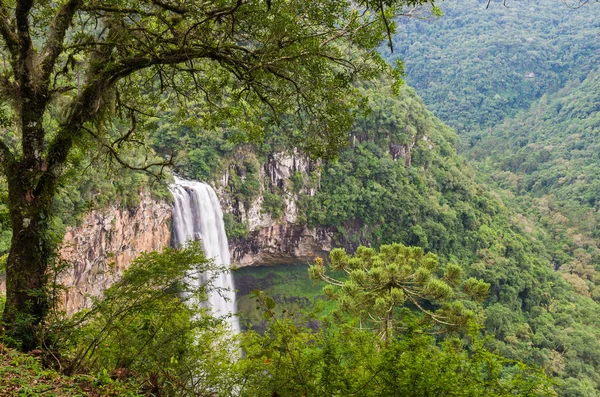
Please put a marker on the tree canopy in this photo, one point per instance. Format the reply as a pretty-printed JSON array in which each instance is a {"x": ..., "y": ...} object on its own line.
[
  {"x": 379, "y": 283},
  {"x": 80, "y": 76}
]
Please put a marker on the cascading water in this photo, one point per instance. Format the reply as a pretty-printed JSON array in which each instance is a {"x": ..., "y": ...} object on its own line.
[{"x": 197, "y": 215}]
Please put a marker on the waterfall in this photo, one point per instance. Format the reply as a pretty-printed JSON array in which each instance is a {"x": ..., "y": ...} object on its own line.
[{"x": 197, "y": 215}]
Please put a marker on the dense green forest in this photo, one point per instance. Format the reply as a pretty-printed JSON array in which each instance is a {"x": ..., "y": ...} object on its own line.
[
  {"x": 371, "y": 197},
  {"x": 479, "y": 64},
  {"x": 525, "y": 105},
  {"x": 453, "y": 275},
  {"x": 546, "y": 159}
]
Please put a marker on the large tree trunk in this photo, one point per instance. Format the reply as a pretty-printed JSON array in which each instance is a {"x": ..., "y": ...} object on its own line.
[
  {"x": 31, "y": 249},
  {"x": 30, "y": 253},
  {"x": 32, "y": 179}
]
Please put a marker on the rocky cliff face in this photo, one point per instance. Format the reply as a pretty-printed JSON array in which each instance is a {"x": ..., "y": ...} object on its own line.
[
  {"x": 106, "y": 242},
  {"x": 104, "y": 245},
  {"x": 279, "y": 244},
  {"x": 282, "y": 240}
]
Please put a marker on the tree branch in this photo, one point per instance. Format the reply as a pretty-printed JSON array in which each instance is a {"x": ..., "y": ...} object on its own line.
[
  {"x": 85, "y": 105},
  {"x": 56, "y": 36},
  {"x": 387, "y": 25},
  {"x": 7, "y": 31},
  {"x": 6, "y": 158},
  {"x": 170, "y": 7},
  {"x": 147, "y": 168},
  {"x": 433, "y": 316},
  {"x": 25, "y": 47}
]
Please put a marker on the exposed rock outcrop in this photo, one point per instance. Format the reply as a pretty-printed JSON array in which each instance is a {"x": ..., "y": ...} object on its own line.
[
  {"x": 284, "y": 240},
  {"x": 281, "y": 244},
  {"x": 104, "y": 245}
]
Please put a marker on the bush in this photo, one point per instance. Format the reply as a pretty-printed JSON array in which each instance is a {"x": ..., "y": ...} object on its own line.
[
  {"x": 234, "y": 228},
  {"x": 348, "y": 360},
  {"x": 272, "y": 204},
  {"x": 152, "y": 325}
]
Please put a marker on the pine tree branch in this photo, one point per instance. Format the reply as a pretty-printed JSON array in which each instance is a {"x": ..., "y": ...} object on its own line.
[{"x": 433, "y": 316}]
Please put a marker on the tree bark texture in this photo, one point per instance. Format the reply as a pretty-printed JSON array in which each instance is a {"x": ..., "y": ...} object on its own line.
[
  {"x": 31, "y": 247},
  {"x": 26, "y": 267}
]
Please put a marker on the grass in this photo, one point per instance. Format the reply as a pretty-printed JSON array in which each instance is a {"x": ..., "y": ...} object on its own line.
[{"x": 23, "y": 375}]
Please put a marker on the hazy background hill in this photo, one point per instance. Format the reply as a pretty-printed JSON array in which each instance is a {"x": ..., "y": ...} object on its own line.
[{"x": 475, "y": 66}]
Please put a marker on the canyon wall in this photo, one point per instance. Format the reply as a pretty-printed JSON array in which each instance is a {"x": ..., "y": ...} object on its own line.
[
  {"x": 98, "y": 250},
  {"x": 278, "y": 244},
  {"x": 282, "y": 240},
  {"x": 286, "y": 239},
  {"x": 107, "y": 241},
  {"x": 103, "y": 246}
]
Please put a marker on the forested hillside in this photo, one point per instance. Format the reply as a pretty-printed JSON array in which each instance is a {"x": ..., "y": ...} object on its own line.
[
  {"x": 547, "y": 158},
  {"x": 445, "y": 277},
  {"x": 519, "y": 85},
  {"x": 477, "y": 65},
  {"x": 401, "y": 181},
  {"x": 435, "y": 203}
]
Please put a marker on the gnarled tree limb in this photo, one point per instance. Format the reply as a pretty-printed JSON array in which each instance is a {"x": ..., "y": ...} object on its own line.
[
  {"x": 25, "y": 46},
  {"x": 56, "y": 36},
  {"x": 7, "y": 32}
]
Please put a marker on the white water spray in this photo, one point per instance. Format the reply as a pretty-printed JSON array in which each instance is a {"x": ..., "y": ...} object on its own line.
[{"x": 197, "y": 215}]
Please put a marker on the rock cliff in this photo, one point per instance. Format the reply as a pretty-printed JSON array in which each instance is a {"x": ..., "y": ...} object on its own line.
[
  {"x": 103, "y": 246},
  {"x": 285, "y": 243},
  {"x": 280, "y": 240}
]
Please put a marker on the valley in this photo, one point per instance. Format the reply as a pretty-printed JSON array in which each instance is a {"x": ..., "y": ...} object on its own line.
[{"x": 428, "y": 228}]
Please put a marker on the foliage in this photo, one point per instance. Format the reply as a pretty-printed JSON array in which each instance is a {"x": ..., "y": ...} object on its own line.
[
  {"x": 272, "y": 203},
  {"x": 152, "y": 325},
  {"x": 148, "y": 336},
  {"x": 234, "y": 228},
  {"x": 379, "y": 284},
  {"x": 297, "y": 182},
  {"x": 372, "y": 198},
  {"x": 472, "y": 74},
  {"x": 290, "y": 360},
  {"x": 545, "y": 161},
  {"x": 94, "y": 183},
  {"x": 81, "y": 75},
  {"x": 245, "y": 181},
  {"x": 24, "y": 375},
  {"x": 548, "y": 158}
]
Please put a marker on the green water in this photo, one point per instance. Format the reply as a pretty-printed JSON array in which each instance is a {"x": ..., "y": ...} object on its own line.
[{"x": 288, "y": 285}]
